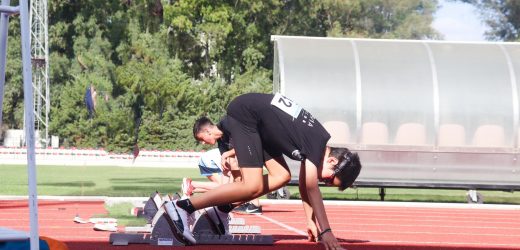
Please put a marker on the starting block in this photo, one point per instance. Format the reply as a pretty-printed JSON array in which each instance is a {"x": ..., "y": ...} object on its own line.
[
  {"x": 153, "y": 205},
  {"x": 161, "y": 231}
]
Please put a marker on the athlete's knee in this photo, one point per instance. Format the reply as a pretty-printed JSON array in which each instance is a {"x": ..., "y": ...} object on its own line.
[
  {"x": 285, "y": 177},
  {"x": 281, "y": 178},
  {"x": 252, "y": 190}
]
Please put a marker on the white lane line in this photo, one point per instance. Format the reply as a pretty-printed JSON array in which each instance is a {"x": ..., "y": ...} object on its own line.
[
  {"x": 300, "y": 232},
  {"x": 399, "y": 204}
]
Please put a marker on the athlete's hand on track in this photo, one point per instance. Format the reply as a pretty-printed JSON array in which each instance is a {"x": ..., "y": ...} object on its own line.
[
  {"x": 330, "y": 242},
  {"x": 312, "y": 231}
]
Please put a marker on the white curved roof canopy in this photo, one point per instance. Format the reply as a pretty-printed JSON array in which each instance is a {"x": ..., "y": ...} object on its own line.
[{"x": 441, "y": 101}]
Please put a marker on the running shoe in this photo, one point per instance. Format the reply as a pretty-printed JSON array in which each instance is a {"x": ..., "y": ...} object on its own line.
[
  {"x": 179, "y": 217},
  {"x": 253, "y": 209},
  {"x": 248, "y": 208},
  {"x": 186, "y": 187},
  {"x": 241, "y": 209},
  {"x": 220, "y": 219}
]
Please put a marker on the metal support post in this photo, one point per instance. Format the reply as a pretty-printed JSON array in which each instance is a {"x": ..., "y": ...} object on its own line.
[
  {"x": 4, "y": 21},
  {"x": 29, "y": 121}
]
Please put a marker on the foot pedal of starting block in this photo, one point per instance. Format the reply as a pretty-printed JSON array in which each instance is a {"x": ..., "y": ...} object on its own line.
[
  {"x": 206, "y": 239},
  {"x": 151, "y": 207},
  {"x": 203, "y": 225},
  {"x": 245, "y": 230},
  {"x": 164, "y": 232}
]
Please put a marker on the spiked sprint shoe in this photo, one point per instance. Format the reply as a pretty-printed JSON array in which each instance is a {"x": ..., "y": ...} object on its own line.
[{"x": 179, "y": 217}]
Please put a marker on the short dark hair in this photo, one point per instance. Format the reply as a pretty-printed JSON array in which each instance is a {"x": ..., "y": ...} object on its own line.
[
  {"x": 199, "y": 124},
  {"x": 348, "y": 167}
]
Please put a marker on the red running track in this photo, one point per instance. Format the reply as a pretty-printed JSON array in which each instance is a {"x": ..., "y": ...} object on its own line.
[{"x": 358, "y": 225}]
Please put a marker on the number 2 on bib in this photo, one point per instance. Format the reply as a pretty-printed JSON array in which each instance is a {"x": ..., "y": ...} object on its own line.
[{"x": 286, "y": 105}]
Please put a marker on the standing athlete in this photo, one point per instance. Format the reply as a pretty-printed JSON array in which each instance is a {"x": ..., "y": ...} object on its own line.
[
  {"x": 209, "y": 166},
  {"x": 263, "y": 128}
]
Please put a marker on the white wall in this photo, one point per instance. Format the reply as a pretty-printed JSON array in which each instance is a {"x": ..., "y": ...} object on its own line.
[{"x": 100, "y": 157}]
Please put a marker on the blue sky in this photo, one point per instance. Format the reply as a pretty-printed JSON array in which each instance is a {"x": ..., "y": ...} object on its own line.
[{"x": 458, "y": 22}]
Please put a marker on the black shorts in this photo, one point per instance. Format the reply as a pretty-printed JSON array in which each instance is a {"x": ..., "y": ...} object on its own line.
[{"x": 248, "y": 145}]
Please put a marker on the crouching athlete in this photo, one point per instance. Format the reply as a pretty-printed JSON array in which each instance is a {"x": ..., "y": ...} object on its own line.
[{"x": 261, "y": 129}]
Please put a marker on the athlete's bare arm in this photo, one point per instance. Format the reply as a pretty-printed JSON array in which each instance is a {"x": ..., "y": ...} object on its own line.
[
  {"x": 316, "y": 202},
  {"x": 312, "y": 229}
]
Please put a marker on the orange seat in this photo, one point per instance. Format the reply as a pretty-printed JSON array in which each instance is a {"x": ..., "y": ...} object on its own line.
[
  {"x": 374, "y": 133},
  {"x": 411, "y": 134},
  {"x": 338, "y": 130},
  {"x": 452, "y": 135},
  {"x": 489, "y": 136}
]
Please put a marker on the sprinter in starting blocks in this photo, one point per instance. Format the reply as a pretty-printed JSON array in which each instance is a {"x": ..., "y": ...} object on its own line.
[
  {"x": 153, "y": 204},
  {"x": 208, "y": 226}
]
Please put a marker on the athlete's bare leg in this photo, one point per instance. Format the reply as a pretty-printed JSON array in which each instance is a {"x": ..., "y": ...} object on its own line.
[
  {"x": 253, "y": 185},
  {"x": 204, "y": 186}
]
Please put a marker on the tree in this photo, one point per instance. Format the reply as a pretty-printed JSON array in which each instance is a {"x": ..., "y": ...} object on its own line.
[
  {"x": 78, "y": 63},
  {"x": 388, "y": 19},
  {"x": 158, "y": 65},
  {"x": 501, "y": 16}
]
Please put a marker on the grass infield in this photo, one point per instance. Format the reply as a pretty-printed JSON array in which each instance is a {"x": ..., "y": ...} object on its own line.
[{"x": 141, "y": 182}]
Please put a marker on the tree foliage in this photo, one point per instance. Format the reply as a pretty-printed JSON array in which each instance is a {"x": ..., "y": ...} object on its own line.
[
  {"x": 157, "y": 65},
  {"x": 501, "y": 16}
]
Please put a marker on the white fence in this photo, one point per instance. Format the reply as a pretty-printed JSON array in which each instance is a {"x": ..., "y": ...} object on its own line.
[{"x": 100, "y": 157}]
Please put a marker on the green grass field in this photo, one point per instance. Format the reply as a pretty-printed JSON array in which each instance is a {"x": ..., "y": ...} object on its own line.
[{"x": 141, "y": 182}]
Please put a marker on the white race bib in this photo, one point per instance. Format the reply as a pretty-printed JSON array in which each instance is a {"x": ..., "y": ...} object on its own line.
[{"x": 286, "y": 105}]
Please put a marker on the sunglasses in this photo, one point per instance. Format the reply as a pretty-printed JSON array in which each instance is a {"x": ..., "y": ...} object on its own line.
[{"x": 340, "y": 166}]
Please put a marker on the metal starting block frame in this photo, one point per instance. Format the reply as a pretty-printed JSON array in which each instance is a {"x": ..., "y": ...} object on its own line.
[
  {"x": 160, "y": 230},
  {"x": 154, "y": 203},
  {"x": 243, "y": 229},
  {"x": 204, "y": 225},
  {"x": 237, "y": 239},
  {"x": 205, "y": 231}
]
